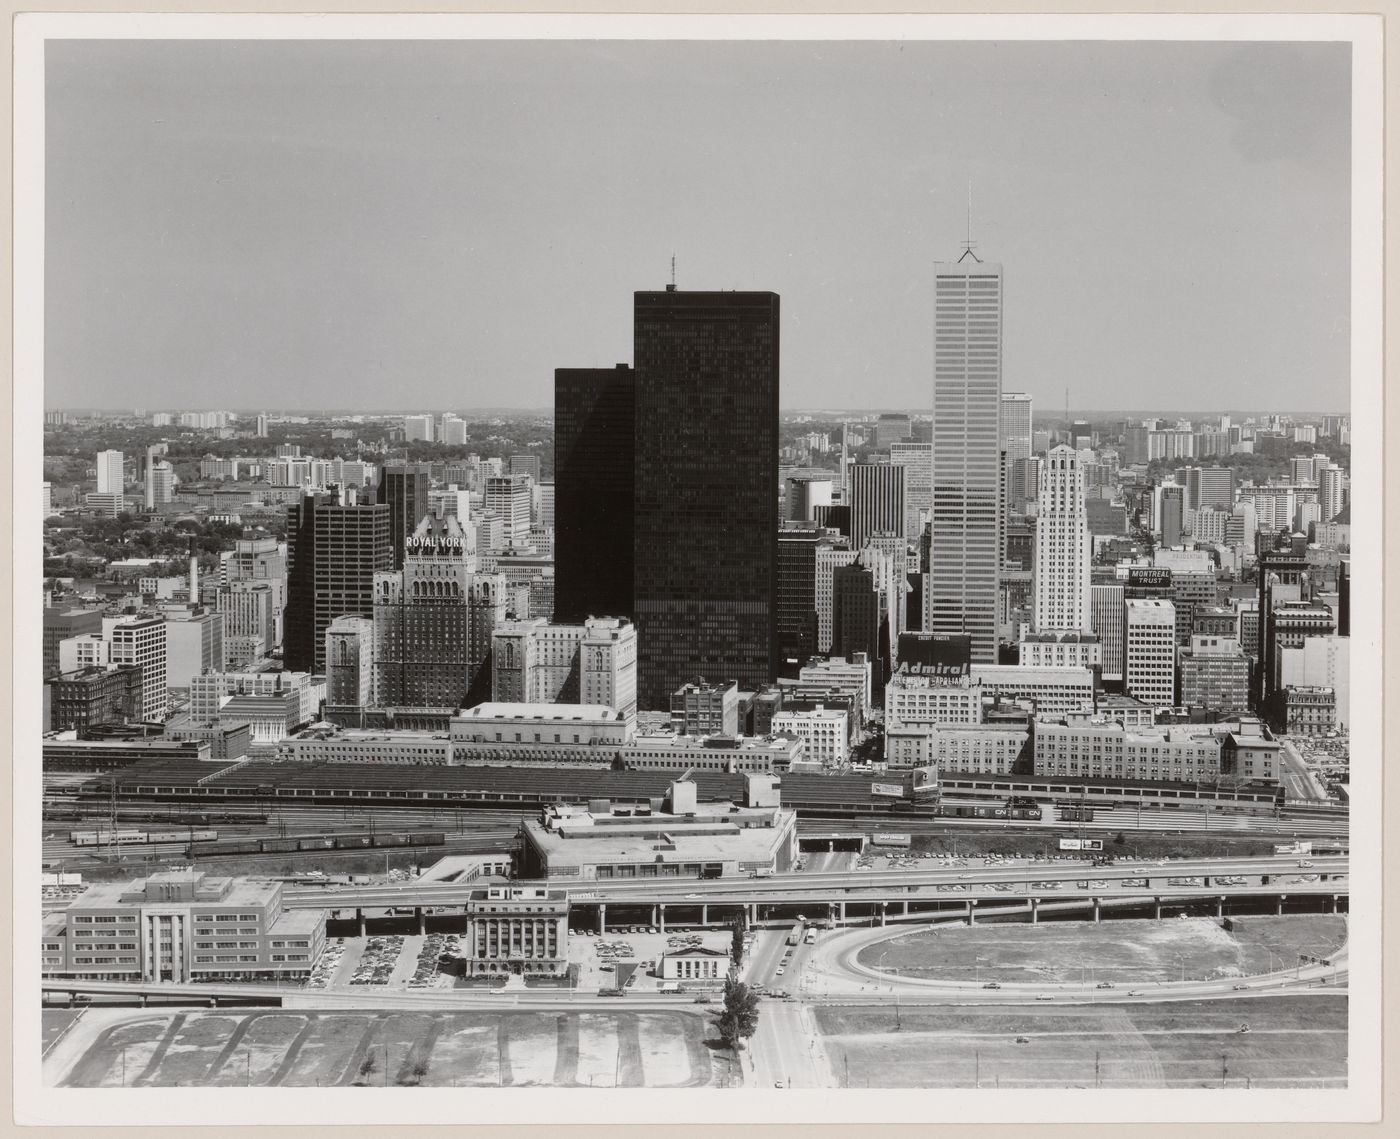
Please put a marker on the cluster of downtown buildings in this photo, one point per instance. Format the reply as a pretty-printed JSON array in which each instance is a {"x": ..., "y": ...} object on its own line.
[
  {"x": 694, "y": 592},
  {"x": 690, "y": 591}
]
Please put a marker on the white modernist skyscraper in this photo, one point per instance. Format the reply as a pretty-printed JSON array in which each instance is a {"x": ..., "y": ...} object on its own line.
[
  {"x": 110, "y": 479},
  {"x": 1062, "y": 547},
  {"x": 965, "y": 561}
]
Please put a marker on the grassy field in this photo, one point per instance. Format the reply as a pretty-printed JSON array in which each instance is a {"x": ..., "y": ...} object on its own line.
[
  {"x": 1292, "y": 1042},
  {"x": 1124, "y": 952},
  {"x": 431, "y": 1049}
]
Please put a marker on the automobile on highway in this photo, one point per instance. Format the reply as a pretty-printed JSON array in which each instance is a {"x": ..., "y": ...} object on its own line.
[
  {"x": 1045, "y": 997},
  {"x": 991, "y": 985}
]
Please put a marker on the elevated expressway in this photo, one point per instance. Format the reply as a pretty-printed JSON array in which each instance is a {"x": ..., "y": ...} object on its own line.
[{"x": 912, "y": 892}]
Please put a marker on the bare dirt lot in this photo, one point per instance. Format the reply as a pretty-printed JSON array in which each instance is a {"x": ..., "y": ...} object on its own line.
[
  {"x": 373, "y": 1048},
  {"x": 1124, "y": 952},
  {"x": 1294, "y": 1041}
]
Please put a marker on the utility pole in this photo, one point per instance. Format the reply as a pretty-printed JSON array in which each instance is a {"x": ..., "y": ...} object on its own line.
[
  {"x": 1096, "y": 1070},
  {"x": 977, "y": 1069},
  {"x": 1224, "y": 1069}
]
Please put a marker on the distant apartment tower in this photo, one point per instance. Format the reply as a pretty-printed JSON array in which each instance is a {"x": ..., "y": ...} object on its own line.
[
  {"x": 917, "y": 461},
  {"x": 333, "y": 552},
  {"x": 508, "y": 496},
  {"x": 876, "y": 497},
  {"x": 110, "y": 479},
  {"x": 418, "y": 428},
  {"x": 454, "y": 431},
  {"x": 404, "y": 488},
  {"x": 1062, "y": 547},
  {"x": 706, "y": 532},
  {"x": 595, "y": 416},
  {"x": 1332, "y": 485},
  {"x": 1149, "y": 651},
  {"x": 964, "y": 571}
]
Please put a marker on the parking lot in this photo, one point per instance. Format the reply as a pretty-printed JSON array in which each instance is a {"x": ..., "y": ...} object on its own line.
[{"x": 598, "y": 956}]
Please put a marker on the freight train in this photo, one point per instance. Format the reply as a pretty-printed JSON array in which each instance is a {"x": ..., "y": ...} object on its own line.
[{"x": 378, "y": 841}]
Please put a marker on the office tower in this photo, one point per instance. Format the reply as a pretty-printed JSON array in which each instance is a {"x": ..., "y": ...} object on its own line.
[
  {"x": 830, "y": 556},
  {"x": 1106, "y": 618},
  {"x": 966, "y": 529},
  {"x": 806, "y": 491},
  {"x": 1149, "y": 651},
  {"x": 1332, "y": 486},
  {"x": 877, "y": 497},
  {"x": 508, "y": 496},
  {"x": 1023, "y": 482},
  {"x": 1208, "y": 487},
  {"x": 1062, "y": 547},
  {"x": 454, "y": 430},
  {"x": 890, "y": 428},
  {"x": 140, "y": 640},
  {"x": 1171, "y": 514},
  {"x": 418, "y": 428},
  {"x": 194, "y": 643},
  {"x": 797, "y": 596},
  {"x": 860, "y": 616},
  {"x": 525, "y": 465},
  {"x": 110, "y": 479},
  {"x": 349, "y": 669},
  {"x": 1215, "y": 675},
  {"x": 62, "y": 624},
  {"x": 1015, "y": 435},
  {"x": 161, "y": 488},
  {"x": 46, "y": 507},
  {"x": 250, "y": 621},
  {"x": 403, "y": 488},
  {"x": 706, "y": 537},
  {"x": 537, "y": 662},
  {"x": 917, "y": 461},
  {"x": 333, "y": 552},
  {"x": 261, "y": 430},
  {"x": 150, "y": 480},
  {"x": 1081, "y": 435},
  {"x": 595, "y": 415},
  {"x": 424, "y": 653},
  {"x": 289, "y": 450},
  {"x": 454, "y": 501}
]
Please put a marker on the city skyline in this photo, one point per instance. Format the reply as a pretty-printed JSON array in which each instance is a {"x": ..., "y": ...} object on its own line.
[{"x": 174, "y": 201}]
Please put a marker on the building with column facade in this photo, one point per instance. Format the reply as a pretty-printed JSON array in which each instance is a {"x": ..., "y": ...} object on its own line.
[
  {"x": 964, "y": 571},
  {"x": 516, "y": 929},
  {"x": 706, "y": 486},
  {"x": 539, "y": 662},
  {"x": 877, "y": 500}
]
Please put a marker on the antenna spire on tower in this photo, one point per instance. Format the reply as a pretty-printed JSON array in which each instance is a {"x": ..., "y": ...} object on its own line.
[
  {"x": 969, "y": 245},
  {"x": 671, "y": 288}
]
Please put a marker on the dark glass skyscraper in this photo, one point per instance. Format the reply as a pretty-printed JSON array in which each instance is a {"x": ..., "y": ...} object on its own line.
[
  {"x": 595, "y": 416},
  {"x": 333, "y": 552},
  {"x": 706, "y": 495},
  {"x": 403, "y": 488}
]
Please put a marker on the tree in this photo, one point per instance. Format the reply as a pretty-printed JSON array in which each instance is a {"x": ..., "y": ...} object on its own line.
[
  {"x": 739, "y": 1020},
  {"x": 736, "y": 944},
  {"x": 1118, "y": 839}
]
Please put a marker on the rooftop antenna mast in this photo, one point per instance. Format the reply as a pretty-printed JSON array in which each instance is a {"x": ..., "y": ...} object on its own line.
[
  {"x": 969, "y": 245},
  {"x": 671, "y": 288}
]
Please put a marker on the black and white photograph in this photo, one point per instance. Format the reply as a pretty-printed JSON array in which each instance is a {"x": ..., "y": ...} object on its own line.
[{"x": 685, "y": 568}]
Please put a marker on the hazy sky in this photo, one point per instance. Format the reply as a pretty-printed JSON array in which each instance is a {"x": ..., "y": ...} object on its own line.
[{"x": 441, "y": 225}]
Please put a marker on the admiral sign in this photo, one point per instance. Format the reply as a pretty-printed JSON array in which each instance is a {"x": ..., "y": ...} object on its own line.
[{"x": 935, "y": 654}]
